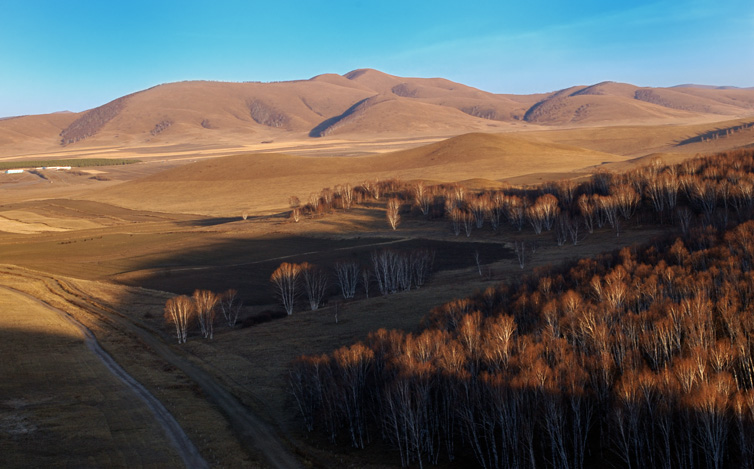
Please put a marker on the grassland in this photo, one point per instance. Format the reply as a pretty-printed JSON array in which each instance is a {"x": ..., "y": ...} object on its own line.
[
  {"x": 111, "y": 253},
  {"x": 179, "y": 254},
  {"x": 74, "y": 163}
]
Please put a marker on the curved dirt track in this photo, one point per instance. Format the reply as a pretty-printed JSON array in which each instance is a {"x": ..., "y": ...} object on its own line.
[
  {"x": 183, "y": 445},
  {"x": 251, "y": 431}
]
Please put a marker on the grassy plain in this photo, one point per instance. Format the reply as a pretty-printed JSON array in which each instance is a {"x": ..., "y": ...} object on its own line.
[{"x": 110, "y": 251}]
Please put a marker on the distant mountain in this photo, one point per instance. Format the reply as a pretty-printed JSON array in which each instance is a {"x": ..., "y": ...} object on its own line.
[{"x": 360, "y": 103}]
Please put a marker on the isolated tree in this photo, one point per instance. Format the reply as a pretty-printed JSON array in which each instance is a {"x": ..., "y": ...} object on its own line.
[
  {"x": 315, "y": 284},
  {"x": 285, "y": 280},
  {"x": 205, "y": 303},
  {"x": 295, "y": 204},
  {"x": 421, "y": 261},
  {"x": 179, "y": 311},
  {"x": 393, "y": 212},
  {"x": 366, "y": 279},
  {"x": 347, "y": 276},
  {"x": 520, "y": 248},
  {"x": 230, "y": 307}
]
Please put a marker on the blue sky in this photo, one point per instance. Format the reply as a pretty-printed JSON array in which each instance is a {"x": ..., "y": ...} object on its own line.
[{"x": 74, "y": 55}]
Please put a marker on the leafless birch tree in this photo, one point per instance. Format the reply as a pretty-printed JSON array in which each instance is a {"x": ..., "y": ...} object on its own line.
[
  {"x": 230, "y": 307},
  {"x": 315, "y": 284},
  {"x": 347, "y": 275},
  {"x": 285, "y": 279},
  {"x": 393, "y": 212},
  {"x": 205, "y": 303},
  {"x": 179, "y": 311}
]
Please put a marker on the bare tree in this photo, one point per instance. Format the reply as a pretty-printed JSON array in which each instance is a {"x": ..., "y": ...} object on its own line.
[
  {"x": 515, "y": 210},
  {"x": 626, "y": 198},
  {"x": 520, "y": 248},
  {"x": 285, "y": 280},
  {"x": 315, "y": 284},
  {"x": 422, "y": 261},
  {"x": 366, "y": 279},
  {"x": 423, "y": 197},
  {"x": 205, "y": 303},
  {"x": 295, "y": 204},
  {"x": 347, "y": 196},
  {"x": 230, "y": 307},
  {"x": 478, "y": 206},
  {"x": 347, "y": 275},
  {"x": 456, "y": 217},
  {"x": 588, "y": 209},
  {"x": 496, "y": 209},
  {"x": 179, "y": 310},
  {"x": 393, "y": 212},
  {"x": 468, "y": 222},
  {"x": 609, "y": 208}
]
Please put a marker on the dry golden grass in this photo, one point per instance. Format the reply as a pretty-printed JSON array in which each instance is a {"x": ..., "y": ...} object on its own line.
[
  {"x": 252, "y": 362},
  {"x": 174, "y": 223},
  {"x": 363, "y": 104},
  {"x": 87, "y": 418},
  {"x": 60, "y": 406}
]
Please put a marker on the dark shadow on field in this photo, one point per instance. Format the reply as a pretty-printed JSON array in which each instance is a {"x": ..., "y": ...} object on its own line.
[
  {"x": 208, "y": 221},
  {"x": 67, "y": 410},
  {"x": 246, "y": 264},
  {"x": 216, "y": 221}
]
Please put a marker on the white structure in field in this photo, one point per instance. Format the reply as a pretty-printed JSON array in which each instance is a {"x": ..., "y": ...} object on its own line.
[
  {"x": 14, "y": 171},
  {"x": 56, "y": 168}
]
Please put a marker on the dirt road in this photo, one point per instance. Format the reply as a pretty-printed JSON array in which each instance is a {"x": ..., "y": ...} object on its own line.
[
  {"x": 252, "y": 432},
  {"x": 172, "y": 429}
]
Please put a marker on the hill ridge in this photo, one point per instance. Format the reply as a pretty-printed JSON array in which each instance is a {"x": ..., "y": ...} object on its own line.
[{"x": 358, "y": 103}]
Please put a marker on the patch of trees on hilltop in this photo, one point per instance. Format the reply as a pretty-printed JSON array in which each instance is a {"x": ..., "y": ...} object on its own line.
[{"x": 642, "y": 357}]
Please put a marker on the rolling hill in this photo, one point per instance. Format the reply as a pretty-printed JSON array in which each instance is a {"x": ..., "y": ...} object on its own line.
[
  {"x": 360, "y": 103},
  {"x": 262, "y": 182}
]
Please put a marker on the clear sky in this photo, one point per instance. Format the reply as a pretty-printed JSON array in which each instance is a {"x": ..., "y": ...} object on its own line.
[{"x": 77, "y": 54}]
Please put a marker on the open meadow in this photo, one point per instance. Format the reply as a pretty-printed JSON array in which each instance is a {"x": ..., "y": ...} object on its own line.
[{"x": 93, "y": 254}]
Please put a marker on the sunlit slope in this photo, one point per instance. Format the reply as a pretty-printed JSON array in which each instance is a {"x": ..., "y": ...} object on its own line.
[
  {"x": 361, "y": 104},
  {"x": 263, "y": 182}
]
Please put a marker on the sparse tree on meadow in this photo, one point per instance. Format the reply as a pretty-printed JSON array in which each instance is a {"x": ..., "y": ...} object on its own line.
[
  {"x": 230, "y": 307},
  {"x": 205, "y": 303},
  {"x": 285, "y": 279},
  {"x": 366, "y": 279},
  {"x": 179, "y": 311},
  {"x": 347, "y": 275},
  {"x": 295, "y": 204},
  {"x": 393, "y": 212},
  {"x": 315, "y": 284}
]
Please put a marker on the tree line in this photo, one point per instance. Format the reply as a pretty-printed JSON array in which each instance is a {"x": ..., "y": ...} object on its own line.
[
  {"x": 640, "y": 357},
  {"x": 391, "y": 270},
  {"x": 704, "y": 190}
]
